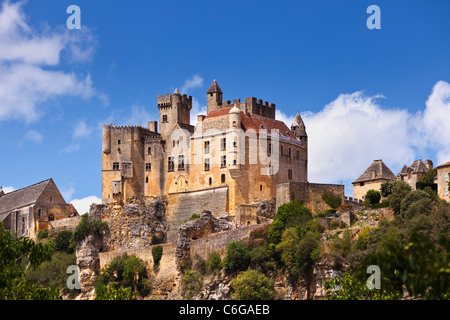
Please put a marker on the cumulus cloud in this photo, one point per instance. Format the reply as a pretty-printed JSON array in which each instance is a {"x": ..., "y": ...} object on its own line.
[
  {"x": 353, "y": 130},
  {"x": 83, "y": 205},
  {"x": 25, "y": 81},
  {"x": 8, "y": 189},
  {"x": 195, "y": 82}
]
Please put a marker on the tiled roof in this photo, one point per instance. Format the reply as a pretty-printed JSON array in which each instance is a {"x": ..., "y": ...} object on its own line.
[
  {"x": 214, "y": 87},
  {"x": 256, "y": 122},
  {"x": 22, "y": 197},
  {"x": 381, "y": 172},
  {"x": 416, "y": 167},
  {"x": 447, "y": 164}
]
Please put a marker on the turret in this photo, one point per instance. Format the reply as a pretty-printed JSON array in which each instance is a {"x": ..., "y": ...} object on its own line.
[
  {"x": 106, "y": 139},
  {"x": 214, "y": 97},
  {"x": 173, "y": 108},
  {"x": 299, "y": 129}
]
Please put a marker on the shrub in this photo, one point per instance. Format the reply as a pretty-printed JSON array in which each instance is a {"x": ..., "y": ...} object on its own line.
[
  {"x": 374, "y": 196},
  {"x": 42, "y": 234},
  {"x": 88, "y": 227},
  {"x": 157, "y": 252},
  {"x": 191, "y": 283},
  {"x": 399, "y": 191},
  {"x": 251, "y": 285},
  {"x": 238, "y": 256},
  {"x": 214, "y": 262},
  {"x": 111, "y": 293},
  {"x": 291, "y": 213},
  {"x": 64, "y": 241},
  {"x": 332, "y": 201}
]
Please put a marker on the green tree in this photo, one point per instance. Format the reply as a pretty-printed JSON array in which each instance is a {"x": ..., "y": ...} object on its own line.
[
  {"x": 374, "y": 196},
  {"x": 251, "y": 285},
  {"x": 88, "y": 227},
  {"x": 64, "y": 241},
  {"x": 414, "y": 203},
  {"x": 399, "y": 192},
  {"x": 386, "y": 187},
  {"x": 333, "y": 202},
  {"x": 191, "y": 283},
  {"x": 14, "y": 253},
  {"x": 292, "y": 213},
  {"x": 238, "y": 256}
]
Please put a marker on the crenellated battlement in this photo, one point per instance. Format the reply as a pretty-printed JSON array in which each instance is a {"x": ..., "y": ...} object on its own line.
[{"x": 168, "y": 100}]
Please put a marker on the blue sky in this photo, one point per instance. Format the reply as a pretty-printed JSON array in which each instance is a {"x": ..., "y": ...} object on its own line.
[{"x": 364, "y": 94}]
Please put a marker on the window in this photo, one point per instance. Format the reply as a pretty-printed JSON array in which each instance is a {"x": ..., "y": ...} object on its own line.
[
  {"x": 146, "y": 179},
  {"x": 234, "y": 162},
  {"x": 39, "y": 213},
  {"x": 119, "y": 151},
  {"x": 223, "y": 144},
  {"x": 149, "y": 150},
  {"x": 234, "y": 124},
  {"x": 281, "y": 150},
  {"x": 222, "y": 178},
  {"x": 170, "y": 164},
  {"x": 361, "y": 184},
  {"x": 234, "y": 144},
  {"x": 119, "y": 142},
  {"x": 290, "y": 174},
  {"x": 210, "y": 181},
  {"x": 270, "y": 148},
  {"x": 115, "y": 166},
  {"x": 51, "y": 199},
  {"x": 206, "y": 147},
  {"x": 289, "y": 152},
  {"x": 260, "y": 187},
  {"x": 223, "y": 162},
  {"x": 181, "y": 162},
  {"x": 164, "y": 118},
  {"x": 207, "y": 164},
  {"x": 148, "y": 167}
]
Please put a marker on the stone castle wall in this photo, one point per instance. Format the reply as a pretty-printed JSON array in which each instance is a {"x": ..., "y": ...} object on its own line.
[{"x": 308, "y": 193}]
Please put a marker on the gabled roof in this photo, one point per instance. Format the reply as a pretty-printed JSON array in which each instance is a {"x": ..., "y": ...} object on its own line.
[
  {"x": 416, "y": 167},
  {"x": 447, "y": 164},
  {"x": 382, "y": 172},
  {"x": 22, "y": 197},
  {"x": 214, "y": 87}
]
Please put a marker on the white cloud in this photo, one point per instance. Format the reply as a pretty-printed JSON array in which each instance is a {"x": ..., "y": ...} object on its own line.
[
  {"x": 288, "y": 120},
  {"x": 34, "y": 136},
  {"x": 83, "y": 205},
  {"x": 67, "y": 194},
  {"x": 139, "y": 115},
  {"x": 8, "y": 189},
  {"x": 25, "y": 83},
  {"x": 196, "y": 110},
  {"x": 81, "y": 130},
  {"x": 195, "y": 82},
  {"x": 70, "y": 148}
]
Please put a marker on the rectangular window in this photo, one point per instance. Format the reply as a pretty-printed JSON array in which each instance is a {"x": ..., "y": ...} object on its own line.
[
  {"x": 170, "y": 164},
  {"x": 223, "y": 161},
  {"x": 289, "y": 152},
  {"x": 164, "y": 118},
  {"x": 207, "y": 165},
  {"x": 281, "y": 150},
  {"x": 115, "y": 166},
  {"x": 223, "y": 144},
  {"x": 119, "y": 142},
  {"x": 290, "y": 174},
  {"x": 146, "y": 179},
  {"x": 181, "y": 162},
  {"x": 149, "y": 150},
  {"x": 206, "y": 147},
  {"x": 148, "y": 167}
]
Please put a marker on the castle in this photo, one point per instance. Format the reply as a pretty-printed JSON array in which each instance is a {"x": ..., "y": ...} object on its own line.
[{"x": 237, "y": 149}]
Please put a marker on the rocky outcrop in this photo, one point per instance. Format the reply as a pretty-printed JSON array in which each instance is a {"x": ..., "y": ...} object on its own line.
[
  {"x": 135, "y": 225},
  {"x": 88, "y": 263},
  {"x": 199, "y": 228}
]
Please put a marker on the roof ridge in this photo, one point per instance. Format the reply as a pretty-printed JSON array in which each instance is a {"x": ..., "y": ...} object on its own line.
[{"x": 29, "y": 186}]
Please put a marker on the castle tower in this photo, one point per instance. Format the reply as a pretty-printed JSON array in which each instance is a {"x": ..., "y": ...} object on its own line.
[
  {"x": 214, "y": 97},
  {"x": 173, "y": 108},
  {"x": 299, "y": 129}
]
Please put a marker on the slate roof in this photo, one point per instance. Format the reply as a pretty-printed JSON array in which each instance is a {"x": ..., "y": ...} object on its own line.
[
  {"x": 256, "y": 122},
  {"x": 381, "y": 172},
  {"x": 22, "y": 197},
  {"x": 416, "y": 167},
  {"x": 214, "y": 87}
]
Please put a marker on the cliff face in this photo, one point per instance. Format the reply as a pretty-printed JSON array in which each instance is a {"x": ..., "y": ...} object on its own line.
[{"x": 89, "y": 264}]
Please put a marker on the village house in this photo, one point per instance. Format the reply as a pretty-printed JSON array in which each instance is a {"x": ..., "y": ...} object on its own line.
[{"x": 443, "y": 180}]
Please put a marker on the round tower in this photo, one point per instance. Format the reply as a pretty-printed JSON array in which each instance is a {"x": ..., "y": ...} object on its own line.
[
  {"x": 106, "y": 139},
  {"x": 235, "y": 118}
]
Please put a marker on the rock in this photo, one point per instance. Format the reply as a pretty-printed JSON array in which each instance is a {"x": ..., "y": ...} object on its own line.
[{"x": 89, "y": 264}]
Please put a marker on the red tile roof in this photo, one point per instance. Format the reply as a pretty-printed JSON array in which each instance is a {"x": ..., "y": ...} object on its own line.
[
  {"x": 256, "y": 122},
  {"x": 444, "y": 165}
]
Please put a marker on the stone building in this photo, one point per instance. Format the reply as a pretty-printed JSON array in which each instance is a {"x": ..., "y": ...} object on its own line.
[
  {"x": 27, "y": 210},
  {"x": 237, "y": 154},
  {"x": 443, "y": 180},
  {"x": 413, "y": 173},
  {"x": 372, "y": 178}
]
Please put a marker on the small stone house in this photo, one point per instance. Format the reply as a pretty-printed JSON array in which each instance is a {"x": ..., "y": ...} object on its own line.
[
  {"x": 443, "y": 179},
  {"x": 414, "y": 173},
  {"x": 27, "y": 210},
  {"x": 376, "y": 174}
]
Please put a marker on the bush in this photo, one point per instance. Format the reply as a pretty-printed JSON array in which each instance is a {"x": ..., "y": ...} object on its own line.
[
  {"x": 238, "y": 256},
  {"x": 42, "y": 234},
  {"x": 333, "y": 202},
  {"x": 214, "y": 262},
  {"x": 292, "y": 213},
  {"x": 157, "y": 252},
  {"x": 111, "y": 293},
  {"x": 191, "y": 283},
  {"x": 399, "y": 191},
  {"x": 88, "y": 227},
  {"x": 64, "y": 241},
  {"x": 251, "y": 285},
  {"x": 373, "y": 196}
]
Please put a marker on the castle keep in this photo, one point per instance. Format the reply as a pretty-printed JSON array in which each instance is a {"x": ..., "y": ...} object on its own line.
[{"x": 236, "y": 154}]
